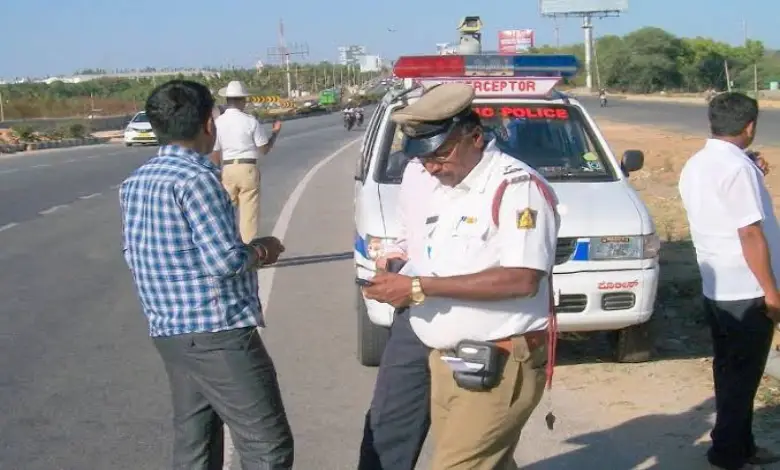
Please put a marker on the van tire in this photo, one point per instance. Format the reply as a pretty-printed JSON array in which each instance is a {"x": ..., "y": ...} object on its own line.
[
  {"x": 371, "y": 338},
  {"x": 633, "y": 344}
]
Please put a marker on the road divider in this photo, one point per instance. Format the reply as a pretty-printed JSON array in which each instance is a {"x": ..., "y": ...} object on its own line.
[{"x": 54, "y": 144}]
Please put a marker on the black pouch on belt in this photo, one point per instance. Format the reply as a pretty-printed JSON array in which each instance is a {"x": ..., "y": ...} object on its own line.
[{"x": 482, "y": 365}]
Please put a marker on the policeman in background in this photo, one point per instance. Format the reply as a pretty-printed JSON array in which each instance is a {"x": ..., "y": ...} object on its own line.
[
  {"x": 240, "y": 143},
  {"x": 480, "y": 290}
]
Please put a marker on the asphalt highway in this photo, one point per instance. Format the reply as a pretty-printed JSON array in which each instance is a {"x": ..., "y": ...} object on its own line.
[
  {"x": 690, "y": 118},
  {"x": 81, "y": 386}
]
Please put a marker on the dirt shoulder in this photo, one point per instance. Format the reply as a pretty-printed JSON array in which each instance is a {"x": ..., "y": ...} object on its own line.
[{"x": 678, "y": 382}]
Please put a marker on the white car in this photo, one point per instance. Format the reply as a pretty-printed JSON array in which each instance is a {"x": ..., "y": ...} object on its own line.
[
  {"x": 139, "y": 131},
  {"x": 606, "y": 273}
]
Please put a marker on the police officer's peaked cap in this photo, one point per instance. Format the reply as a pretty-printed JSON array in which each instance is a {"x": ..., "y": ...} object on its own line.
[
  {"x": 428, "y": 122},
  {"x": 440, "y": 103}
]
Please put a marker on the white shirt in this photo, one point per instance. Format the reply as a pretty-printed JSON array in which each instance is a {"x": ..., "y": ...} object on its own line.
[
  {"x": 461, "y": 238},
  {"x": 722, "y": 191},
  {"x": 414, "y": 195},
  {"x": 239, "y": 135}
]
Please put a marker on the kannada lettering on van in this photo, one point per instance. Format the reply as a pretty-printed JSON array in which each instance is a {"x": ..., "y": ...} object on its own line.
[
  {"x": 521, "y": 112},
  {"x": 618, "y": 285}
]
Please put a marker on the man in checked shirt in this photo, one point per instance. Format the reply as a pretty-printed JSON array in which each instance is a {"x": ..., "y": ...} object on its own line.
[{"x": 198, "y": 287}]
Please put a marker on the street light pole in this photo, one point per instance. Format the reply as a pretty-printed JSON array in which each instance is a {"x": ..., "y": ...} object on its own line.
[{"x": 2, "y": 110}]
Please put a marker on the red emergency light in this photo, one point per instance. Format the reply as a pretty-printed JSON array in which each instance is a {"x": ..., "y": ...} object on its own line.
[{"x": 430, "y": 66}]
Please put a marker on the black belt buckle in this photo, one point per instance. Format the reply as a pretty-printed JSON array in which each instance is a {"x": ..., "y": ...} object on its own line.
[{"x": 486, "y": 354}]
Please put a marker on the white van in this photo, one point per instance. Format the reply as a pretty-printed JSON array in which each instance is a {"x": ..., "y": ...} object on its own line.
[{"x": 606, "y": 273}]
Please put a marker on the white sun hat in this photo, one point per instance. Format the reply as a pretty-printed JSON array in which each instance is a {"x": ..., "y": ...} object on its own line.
[{"x": 234, "y": 89}]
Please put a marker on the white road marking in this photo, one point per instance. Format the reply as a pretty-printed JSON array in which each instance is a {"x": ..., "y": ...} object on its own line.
[
  {"x": 70, "y": 160},
  {"x": 266, "y": 276},
  {"x": 7, "y": 226},
  {"x": 52, "y": 209},
  {"x": 42, "y": 165},
  {"x": 115, "y": 186},
  {"x": 6, "y": 172},
  {"x": 89, "y": 196}
]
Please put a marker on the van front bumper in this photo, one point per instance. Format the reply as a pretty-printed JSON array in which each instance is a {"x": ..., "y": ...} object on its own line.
[{"x": 605, "y": 300}]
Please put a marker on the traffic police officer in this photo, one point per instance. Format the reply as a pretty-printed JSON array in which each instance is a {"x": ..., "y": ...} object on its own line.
[
  {"x": 240, "y": 143},
  {"x": 480, "y": 292}
]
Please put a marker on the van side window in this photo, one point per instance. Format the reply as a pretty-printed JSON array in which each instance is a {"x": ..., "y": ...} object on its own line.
[{"x": 369, "y": 141}]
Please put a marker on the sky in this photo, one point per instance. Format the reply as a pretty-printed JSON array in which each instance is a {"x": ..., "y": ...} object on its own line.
[{"x": 58, "y": 37}]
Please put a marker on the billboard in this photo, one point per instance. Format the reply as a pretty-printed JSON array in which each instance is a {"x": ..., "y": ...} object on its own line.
[
  {"x": 370, "y": 63},
  {"x": 562, "y": 7},
  {"x": 350, "y": 55},
  {"x": 515, "y": 40}
]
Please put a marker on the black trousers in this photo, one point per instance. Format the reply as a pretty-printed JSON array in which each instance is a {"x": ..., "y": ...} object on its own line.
[
  {"x": 397, "y": 422},
  {"x": 741, "y": 337},
  {"x": 225, "y": 377}
]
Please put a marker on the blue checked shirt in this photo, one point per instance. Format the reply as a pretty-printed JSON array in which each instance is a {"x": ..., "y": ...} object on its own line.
[{"x": 182, "y": 246}]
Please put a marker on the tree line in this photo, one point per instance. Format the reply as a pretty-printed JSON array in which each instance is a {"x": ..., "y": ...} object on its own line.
[
  {"x": 651, "y": 59},
  {"x": 109, "y": 96}
]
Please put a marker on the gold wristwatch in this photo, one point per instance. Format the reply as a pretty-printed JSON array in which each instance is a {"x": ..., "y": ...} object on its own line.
[{"x": 418, "y": 296}]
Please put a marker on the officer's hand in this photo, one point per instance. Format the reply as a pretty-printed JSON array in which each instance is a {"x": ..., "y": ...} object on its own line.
[
  {"x": 390, "y": 288},
  {"x": 277, "y": 126},
  {"x": 381, "y": 262},
  {"x": 273, "y": 248},
  {"x": 772, "y": 300}
]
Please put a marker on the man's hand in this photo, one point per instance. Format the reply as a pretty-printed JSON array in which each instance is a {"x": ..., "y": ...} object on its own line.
[
  {"x": 772, "y": 301},
  {"x": 381, "y": 262},
  {"x": 277, "y": 126},
  {"x": 390, "y": 288},
  {"x": 762, "y": 165},
  {"x": 760, "y": 162},
  {"x": 273, "y": 248}
]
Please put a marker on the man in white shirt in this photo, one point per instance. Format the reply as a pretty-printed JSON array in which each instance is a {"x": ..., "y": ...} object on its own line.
[
  {"x": 479, "y": 281},
  {"x": 737, "y": 241},
  {"x": 240, "y": 143},
  {"x": 398, "y": 419}
]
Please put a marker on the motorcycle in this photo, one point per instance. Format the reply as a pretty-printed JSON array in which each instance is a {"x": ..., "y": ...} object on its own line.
[
  {"x": 359, "y": 119},
  {"x": 603, "y": 101},
  {"x": 349, "y": 121}
]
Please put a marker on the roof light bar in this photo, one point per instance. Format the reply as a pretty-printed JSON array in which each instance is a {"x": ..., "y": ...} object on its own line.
[
  {"x": 520, "y": 75},
  {"x": 484, "y": 65}
]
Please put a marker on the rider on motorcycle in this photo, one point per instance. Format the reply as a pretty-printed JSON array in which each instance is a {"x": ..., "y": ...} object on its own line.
[
  {"x": 603, "y": 96},
  {"x": 359, "y": 115}
]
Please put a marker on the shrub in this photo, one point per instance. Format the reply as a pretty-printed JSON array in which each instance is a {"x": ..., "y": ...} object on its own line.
[
  {"x": 25, "y": 133},
  {"x": 77, "y": 130}
]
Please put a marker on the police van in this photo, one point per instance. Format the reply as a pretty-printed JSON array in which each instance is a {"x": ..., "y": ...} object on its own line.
[{"x": 606, "y": 272}]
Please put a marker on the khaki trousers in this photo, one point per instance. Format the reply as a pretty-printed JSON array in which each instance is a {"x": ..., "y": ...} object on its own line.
[
  {"x": 480, "y": 430},
  {"x": 242, "y": 183}
]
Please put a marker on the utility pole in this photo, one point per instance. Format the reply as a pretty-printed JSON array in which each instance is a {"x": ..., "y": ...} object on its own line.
[
  {"x": 2, "y": 110},
  {"x": 557, "y": 33},
  {"x": 282, "y": 51}
]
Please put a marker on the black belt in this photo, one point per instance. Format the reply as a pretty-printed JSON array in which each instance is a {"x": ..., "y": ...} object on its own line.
[{"x": 249, "y": 161}]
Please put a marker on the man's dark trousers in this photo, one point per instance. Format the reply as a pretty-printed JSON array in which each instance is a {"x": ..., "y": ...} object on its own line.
[
  {"x": 400, "y": 414},
  {"x": 741, "y": 337},
  {"x": 227, "y": 377}
]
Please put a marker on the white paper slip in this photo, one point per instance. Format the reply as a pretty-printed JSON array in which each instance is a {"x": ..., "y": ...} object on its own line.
[{"x": 459, "y": 365}]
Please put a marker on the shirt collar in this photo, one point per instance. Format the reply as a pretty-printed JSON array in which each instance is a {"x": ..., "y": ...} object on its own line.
[
  {"x": 177, "y": 151},
  {"x": 722, "y": 145}
]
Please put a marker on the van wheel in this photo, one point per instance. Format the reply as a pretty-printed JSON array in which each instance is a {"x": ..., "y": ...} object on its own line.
[
  {"x": 633, "y": 344},
  {"x": 371, "y": 338}
]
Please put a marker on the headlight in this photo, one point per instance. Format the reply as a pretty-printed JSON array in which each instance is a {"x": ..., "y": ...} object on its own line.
[
  {"x": 377, "y": 246},
  {"x": 623, "y": 248}
]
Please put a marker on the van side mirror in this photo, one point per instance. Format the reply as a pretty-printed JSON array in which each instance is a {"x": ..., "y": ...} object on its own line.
[{"x": 633, "y": 160}]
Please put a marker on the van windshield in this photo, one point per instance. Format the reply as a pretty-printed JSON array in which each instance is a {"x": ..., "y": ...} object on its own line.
[{"x": 552, "y": 138}]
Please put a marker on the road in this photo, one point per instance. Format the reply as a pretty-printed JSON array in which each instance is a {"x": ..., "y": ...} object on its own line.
[
  {"x": 80, "y": 383},
  {"x": 689, "y": 118}
]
